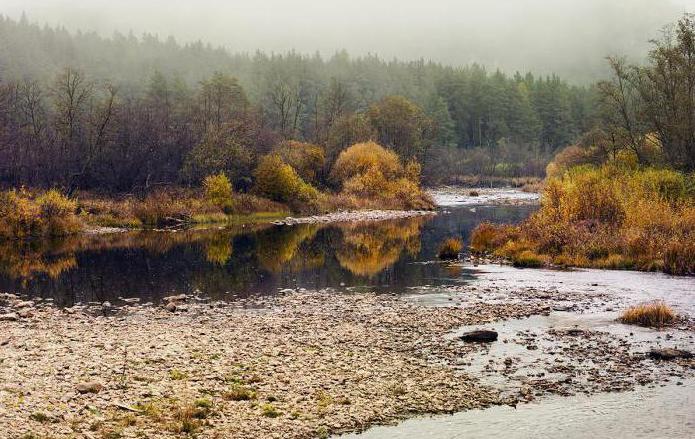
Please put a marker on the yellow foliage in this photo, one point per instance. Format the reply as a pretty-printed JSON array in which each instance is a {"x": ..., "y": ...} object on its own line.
[
  {"x": 450, "y": 248},
  {"x": 307, "y": 159},
  {"x": 362, "y": 157},
  {"x": 367, "y": 170},
  {"x": 279, "y": 181},
  {"x": 218, "y": 191},
  {"x": 23, "y": 215}
]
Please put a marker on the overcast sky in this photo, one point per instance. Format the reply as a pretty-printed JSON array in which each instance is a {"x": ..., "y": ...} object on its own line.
[{"x": 570, "y": 37}]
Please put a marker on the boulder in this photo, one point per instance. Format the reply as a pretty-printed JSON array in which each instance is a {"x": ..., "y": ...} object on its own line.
[{"x": 480, "y": 336}]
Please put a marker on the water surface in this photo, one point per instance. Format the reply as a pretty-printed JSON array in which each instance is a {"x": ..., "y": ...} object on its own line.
[{"x": 227, "y": 263}]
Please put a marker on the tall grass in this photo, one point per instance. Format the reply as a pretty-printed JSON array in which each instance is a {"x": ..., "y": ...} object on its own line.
[{"x": 606, "y": 217}]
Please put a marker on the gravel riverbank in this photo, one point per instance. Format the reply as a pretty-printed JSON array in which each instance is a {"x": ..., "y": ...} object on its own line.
[{"x": 297, "y": 365}]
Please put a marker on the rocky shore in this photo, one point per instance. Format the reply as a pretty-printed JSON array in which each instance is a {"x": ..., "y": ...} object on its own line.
[
  {"x": 352, "y": 216},
  {"x": 300, "y": 364}
]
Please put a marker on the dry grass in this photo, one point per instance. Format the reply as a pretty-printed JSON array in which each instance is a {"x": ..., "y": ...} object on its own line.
[
  {"x": 450, "y": 249},
  {"x": 654, "y": 314},
  {"x": 25, "y": 214},
  {"x": 608, "y": 217},
  {"x": 174, "y": 207},
  {"x": 528, "y": 259}
]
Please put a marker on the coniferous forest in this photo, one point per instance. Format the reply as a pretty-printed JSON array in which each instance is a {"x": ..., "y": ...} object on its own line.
[{"x": 129, "y": 113}]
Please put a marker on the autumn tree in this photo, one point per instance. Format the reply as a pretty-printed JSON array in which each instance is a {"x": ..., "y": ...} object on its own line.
[{"x": 402, "y": 125}]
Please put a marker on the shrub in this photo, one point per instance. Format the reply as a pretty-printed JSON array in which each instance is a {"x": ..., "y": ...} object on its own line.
[
  {"x": 20, "y": 217},
  {"x": 23, "y": 215},
  {"x": 568, "y": 158},
  {"x": 218, "y": 191},
  {"x": 270, "y": 411},
  {"x": 369, "y": 171},
  {"x": 363, "y": 157},
  {"x": 413, "y": 171},
  {"x": 679, "y": 258},
  {"x": 606, "y": 217},
  {"x": 164, "y": 208},
  {"x": 307, "y": 159},
  {"x": 655, "y": 314},
  {"x": 279, "y": 181},
  {"x": 450, "y": 249}
]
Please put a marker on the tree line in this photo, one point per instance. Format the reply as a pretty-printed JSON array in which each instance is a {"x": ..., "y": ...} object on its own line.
[{"x": 126, "y": 114}]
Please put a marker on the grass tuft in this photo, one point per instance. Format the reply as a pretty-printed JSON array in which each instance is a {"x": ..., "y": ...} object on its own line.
[
  {"x": 655, "y": 314},
  {"x": 237, "y": 392},
  {"x": 450, "y": 249}
]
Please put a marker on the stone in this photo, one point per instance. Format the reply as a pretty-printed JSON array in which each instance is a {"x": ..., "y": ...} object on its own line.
[
  {"x": 25, "y": 313},
  {"x": 177, "y": 298},
  {"x": 9, "y": 317},
  {"x": 480, "y": 336},
  {"x": 171, "y": 307},
  {"x": 24, "y": 304},
  {"x": 89, "y": 387},
  {"x": 669, "y": 354}
]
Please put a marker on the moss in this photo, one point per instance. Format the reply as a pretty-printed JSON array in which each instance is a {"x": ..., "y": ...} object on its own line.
[
  {"x": 177, "y": 375},
  {"x": 270, "y": 411}
]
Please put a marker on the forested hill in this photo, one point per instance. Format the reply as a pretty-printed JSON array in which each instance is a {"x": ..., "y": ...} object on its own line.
[{"x": 298, "y": 96}]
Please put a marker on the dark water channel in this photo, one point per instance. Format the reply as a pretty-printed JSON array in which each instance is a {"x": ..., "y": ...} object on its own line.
[{"x": 226, "y": 263}]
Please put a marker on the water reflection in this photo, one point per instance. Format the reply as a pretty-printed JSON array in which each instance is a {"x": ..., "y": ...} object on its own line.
[{"x": 237, "y": 262}]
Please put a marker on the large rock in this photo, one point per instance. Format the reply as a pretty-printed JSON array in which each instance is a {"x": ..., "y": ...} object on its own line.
[
  {"x": 480, "y": 336},
  {"x": 669, "y": 354}
]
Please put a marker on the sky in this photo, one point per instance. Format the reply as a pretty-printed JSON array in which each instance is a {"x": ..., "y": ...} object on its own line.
[{"x": 569, "y": 37}]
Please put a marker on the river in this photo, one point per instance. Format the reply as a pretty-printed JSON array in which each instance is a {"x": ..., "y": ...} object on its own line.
[{"x": 396, "y": 257}]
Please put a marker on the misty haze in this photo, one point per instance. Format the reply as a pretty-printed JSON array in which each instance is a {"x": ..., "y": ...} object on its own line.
[{"x": 347, "y": 219}]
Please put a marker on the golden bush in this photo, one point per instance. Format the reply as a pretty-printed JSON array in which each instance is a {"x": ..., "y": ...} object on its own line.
[
  {"x": 218, "y": 191},
  {"x": 362, "y": 157},
  {"x": 279, "y": 181},
  {"x": 23, "y": 215},
  {"x": 367, "y": 170},
  {"x": 306, "y": 158}
]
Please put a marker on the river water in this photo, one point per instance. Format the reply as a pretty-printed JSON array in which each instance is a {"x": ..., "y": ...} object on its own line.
[{"x": 388, "y": 256}]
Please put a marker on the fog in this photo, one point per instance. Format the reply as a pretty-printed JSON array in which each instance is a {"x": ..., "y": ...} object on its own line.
[{"x": 569, "y": 37}]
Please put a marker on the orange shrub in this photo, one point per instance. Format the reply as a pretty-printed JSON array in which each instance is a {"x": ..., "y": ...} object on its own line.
[{"x": 360, "y": 158}]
